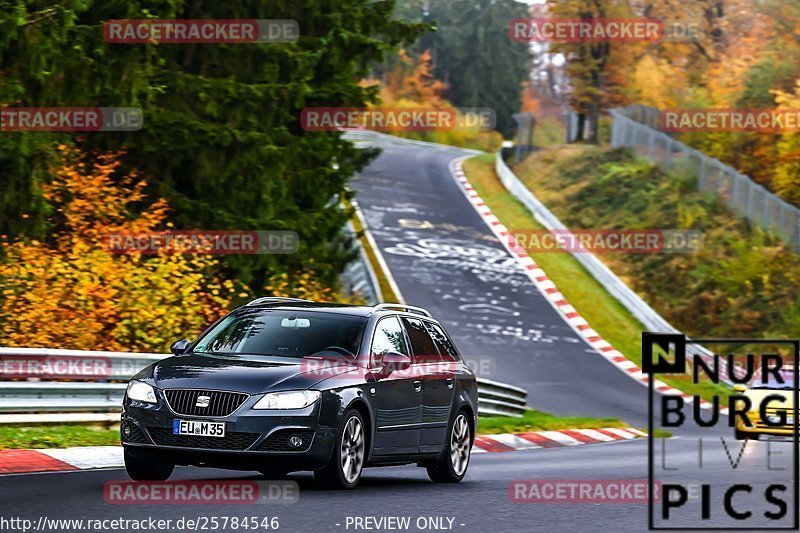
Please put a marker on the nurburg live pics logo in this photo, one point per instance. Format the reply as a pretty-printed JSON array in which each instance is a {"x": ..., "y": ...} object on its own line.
[{"x": 747, "y": 498}]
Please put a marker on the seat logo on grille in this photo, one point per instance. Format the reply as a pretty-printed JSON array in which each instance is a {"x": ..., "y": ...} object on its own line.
[{"x": 202, "y": 401}]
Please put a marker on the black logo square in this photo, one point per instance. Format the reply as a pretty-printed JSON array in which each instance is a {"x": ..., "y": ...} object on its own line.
[{"x": 652, "y": 343}]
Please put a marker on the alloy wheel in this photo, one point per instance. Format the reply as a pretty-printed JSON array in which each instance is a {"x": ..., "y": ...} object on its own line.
[
  {"x": 352, "y": 451},
  {"x": 459, "y": 444}
]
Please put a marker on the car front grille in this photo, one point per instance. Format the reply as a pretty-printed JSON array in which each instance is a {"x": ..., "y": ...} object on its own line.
[
  {"x": 231, "y": 441},
  {"x": 184, "y": 402},
  {"x": 279, "y": 441}
]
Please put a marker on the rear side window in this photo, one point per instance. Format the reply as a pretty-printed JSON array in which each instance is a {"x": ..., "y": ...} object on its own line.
[
  {"x": 388, "y": 338},
  {"x": 446, "y": 348},
  {"x": 424, "y": 349}
]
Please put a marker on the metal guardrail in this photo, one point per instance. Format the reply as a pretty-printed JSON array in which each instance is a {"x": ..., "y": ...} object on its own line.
[
  {"x": 52, "y": 396},
  {"x": 90, "y": 400},
  {"x": 500, "y": 399},
  {"x": 638, "y": 127},
  {"x": 641, "y": 310},
  {"x": 358, "y": 276},
  {"x": 120, "y": 365}
]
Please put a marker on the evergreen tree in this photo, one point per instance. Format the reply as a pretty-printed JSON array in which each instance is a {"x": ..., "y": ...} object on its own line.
[
  {"x": 222, "y": 140},
  {"x": 473, "y": 53}
]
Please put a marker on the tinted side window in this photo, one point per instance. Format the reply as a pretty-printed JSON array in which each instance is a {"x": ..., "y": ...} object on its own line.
[
  {"x": 388, "y": 338},
  {"x": 422, "y": 345},
  {"x": 446, "y": 347}
]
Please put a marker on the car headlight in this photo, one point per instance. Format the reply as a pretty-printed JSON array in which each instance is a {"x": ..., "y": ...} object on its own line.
[
  {"x": 141, "y": 392},
  {"x": 288, "y": 400}
]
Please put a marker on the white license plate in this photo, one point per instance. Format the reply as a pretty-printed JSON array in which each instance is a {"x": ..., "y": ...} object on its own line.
[{"x": 198, "y": 428}]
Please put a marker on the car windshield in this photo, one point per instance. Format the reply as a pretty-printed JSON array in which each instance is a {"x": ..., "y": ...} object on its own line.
[
  {"x": 771, "y": 382},
  {"x": 280, "y": 333}
]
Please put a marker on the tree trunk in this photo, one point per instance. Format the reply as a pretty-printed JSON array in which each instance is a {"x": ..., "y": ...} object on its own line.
[
  {"x": 580, "y": 127},
  {"x": 594, "y": 122}
]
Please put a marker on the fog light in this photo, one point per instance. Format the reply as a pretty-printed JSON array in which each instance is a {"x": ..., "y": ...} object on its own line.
[{"x": 295, "y": 441}]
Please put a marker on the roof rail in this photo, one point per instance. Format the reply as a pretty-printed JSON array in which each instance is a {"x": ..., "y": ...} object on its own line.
[
  {"x": 402, "y": 307},
  {"x": 276, "y": 300}
]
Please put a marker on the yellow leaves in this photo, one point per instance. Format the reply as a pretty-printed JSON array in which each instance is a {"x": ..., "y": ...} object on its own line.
[
  {"x": 786, "y": 160},
  {"x": 79, "y": 295},
  {"x": 300, "y": 285},
  {"x": 658, "y": 83},
  {"x": 788, "y": 100},
  {"x": 412, "y": 81}
]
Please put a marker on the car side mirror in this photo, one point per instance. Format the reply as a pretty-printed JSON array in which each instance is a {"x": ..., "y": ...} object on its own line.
[
  {"x": 739, "y": 388},
  {"x": 179, "y": 347},
  {"x": 395, "y": 362}
]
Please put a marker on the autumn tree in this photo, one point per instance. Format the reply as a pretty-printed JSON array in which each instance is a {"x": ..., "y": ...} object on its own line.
[
  {"x": 73, "y": 291},
  {"x": 412, "y": 80},
  {"x": 587, "y": 62},
  {"x": 222, "y": 136}
]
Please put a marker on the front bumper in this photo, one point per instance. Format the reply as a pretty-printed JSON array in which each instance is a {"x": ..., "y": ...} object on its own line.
[{"x": 254, "y": 440}]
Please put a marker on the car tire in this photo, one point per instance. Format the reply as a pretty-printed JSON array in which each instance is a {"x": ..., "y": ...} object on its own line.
[
  {"x": 346, "y": 464},
  {"x": 743, "y": 435},
  {"x": 146, "y": 470},
  {"x": 451, "y": 467}
]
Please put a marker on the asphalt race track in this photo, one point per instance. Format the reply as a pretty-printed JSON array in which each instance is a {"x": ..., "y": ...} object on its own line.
[
  {"x": 444, "y": 258},
  {"x": 481, "y": 502}
]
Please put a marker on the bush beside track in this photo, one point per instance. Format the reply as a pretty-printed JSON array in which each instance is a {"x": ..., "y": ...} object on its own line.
[{"x": 742, "y": 283}]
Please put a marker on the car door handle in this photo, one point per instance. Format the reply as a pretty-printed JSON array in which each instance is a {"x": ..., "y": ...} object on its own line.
[
  {"x": 417, "y": 385},
  {"x": 450, "y": 383}
]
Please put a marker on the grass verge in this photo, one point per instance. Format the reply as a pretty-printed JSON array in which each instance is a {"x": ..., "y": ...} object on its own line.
[
  {"x": 603, "y": 312},
  {"x": 56, "y": 436}
]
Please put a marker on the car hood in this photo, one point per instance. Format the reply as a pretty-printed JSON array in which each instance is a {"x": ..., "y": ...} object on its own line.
[{"x": 250, "y": 375}]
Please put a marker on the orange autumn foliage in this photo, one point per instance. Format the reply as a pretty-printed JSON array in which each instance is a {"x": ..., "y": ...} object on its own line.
[{"x": 72, "y": 292}]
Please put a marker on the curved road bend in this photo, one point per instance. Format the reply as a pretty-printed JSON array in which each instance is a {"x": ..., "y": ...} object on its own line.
[{"x": 444, "y": 258}]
